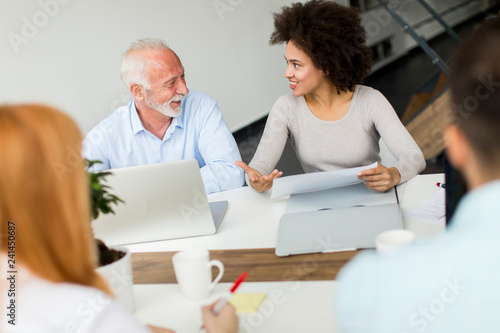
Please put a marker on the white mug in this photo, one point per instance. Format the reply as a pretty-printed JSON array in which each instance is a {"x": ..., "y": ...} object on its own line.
[
  {"x": 193, "y": 271},
  {"x": 391, "y": 240}
]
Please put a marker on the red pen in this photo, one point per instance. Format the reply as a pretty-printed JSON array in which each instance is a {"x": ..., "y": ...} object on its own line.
[
  {"x": 442, "y": 185},
  {"x": 217, "y": 307}
]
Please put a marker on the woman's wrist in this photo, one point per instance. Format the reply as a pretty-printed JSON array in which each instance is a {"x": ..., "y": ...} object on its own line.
[{"x": 396, "y": 176}]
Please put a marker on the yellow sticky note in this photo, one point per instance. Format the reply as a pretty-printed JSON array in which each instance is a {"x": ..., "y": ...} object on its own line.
[{"x": 247, "y": 302}]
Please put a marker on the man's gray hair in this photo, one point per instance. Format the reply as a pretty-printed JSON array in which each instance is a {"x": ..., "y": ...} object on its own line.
[{"x": 133, "y": 67}]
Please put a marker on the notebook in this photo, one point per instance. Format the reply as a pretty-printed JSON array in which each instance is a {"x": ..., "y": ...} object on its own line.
[
  {"x": 162, "y": 201},
  {"x": 340, "y": 219}
]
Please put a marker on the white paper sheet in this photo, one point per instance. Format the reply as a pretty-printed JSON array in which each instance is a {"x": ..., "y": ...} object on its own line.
[
  {"x": 430, "y": 210},
  {"x": 340, "y": 197},
  {"x": 317, "y": 181}
]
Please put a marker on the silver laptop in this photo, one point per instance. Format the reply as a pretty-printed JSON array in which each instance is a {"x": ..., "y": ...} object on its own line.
[
  {"x": 317, "y": 222},
  {"x": 162, "y": 201}
]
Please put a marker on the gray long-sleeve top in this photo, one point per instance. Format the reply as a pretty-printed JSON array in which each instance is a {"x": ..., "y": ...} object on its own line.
[{"x": 351, "y": 141}]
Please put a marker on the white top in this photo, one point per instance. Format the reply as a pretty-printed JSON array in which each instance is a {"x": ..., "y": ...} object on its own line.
[
  {"x": 47, "y": 307},
  {"x": 349, "y": 142}
]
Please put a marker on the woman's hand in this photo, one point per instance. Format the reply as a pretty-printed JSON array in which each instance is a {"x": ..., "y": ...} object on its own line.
[
  {"x": 157, "y": 329},
  {"x": 225, "y": 322},
  {"x": 259, "y": 182},
  {"x": 380, "y": 178}
]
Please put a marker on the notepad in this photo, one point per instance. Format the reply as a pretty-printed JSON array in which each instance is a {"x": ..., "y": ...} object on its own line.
[{"x": 247, "y": 302}]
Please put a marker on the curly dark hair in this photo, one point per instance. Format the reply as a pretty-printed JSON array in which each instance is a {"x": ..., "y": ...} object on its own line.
[{"x": 331, "y": 35}]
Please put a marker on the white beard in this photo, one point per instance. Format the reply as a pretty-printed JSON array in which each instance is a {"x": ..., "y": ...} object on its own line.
[{"x": 164, "y": 108}]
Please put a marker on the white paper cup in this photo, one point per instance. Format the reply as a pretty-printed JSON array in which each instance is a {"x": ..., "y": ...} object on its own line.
[
  {"x": 193, "y": 271},
  {"x": 391, "y": 240}
]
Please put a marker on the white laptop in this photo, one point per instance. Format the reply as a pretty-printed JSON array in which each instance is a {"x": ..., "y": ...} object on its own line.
[
  {"x": 335, "y": 230},
  {"x": 162, "y": 201},
  {"x": 340, "y": 219}
]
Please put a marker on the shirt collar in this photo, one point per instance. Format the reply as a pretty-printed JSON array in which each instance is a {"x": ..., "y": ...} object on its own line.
[
  {"x": 135, "y": 121},
  {"x": 137, "y": 125},
  {"x": 179, "y": 121}
]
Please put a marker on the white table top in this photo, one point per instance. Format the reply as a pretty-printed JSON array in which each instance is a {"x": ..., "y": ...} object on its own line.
[
  {"x": 415, "y": 191},
  {"x": 295, "y": 306},
  {"x": 252, "y": 219}
]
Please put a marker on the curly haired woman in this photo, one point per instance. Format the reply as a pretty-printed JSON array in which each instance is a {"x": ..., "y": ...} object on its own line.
[{"x": 333, "y": 121}]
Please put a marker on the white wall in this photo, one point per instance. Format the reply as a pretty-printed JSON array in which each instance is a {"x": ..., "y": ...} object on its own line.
[{"x": 67, "y": 52}]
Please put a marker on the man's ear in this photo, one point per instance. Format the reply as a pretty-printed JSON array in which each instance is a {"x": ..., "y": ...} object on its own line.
[
  {"x": 137, "y": 91},
  {"x": 458, "y": 148}
]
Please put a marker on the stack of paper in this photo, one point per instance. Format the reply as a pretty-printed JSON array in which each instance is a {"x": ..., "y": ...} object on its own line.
[{"x": 317, "y": 181}]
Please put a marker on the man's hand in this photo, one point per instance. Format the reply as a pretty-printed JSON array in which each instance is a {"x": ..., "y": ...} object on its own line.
[
  {"x": 380, "y": 178},
  {"x": 259, "y": 182}
]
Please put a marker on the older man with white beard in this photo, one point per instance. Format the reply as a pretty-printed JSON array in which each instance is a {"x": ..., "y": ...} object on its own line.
[{"x": 164, "y": 121}]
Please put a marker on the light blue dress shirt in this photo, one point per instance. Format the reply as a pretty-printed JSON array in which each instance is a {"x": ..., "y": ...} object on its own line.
[
  {"x": 451, "y": 284},
  {"x": 199, "y": 132}
]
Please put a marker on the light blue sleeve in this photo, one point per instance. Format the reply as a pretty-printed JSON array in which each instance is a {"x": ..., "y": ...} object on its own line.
[
  {"x": 96, "y": 147},
  {"x": 380, "y": 294},
  {"x": 219, "y": 151},
  {"x": 355, "y": 299}
]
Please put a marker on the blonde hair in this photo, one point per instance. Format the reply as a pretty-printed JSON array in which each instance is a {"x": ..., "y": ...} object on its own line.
[{"x": 44, "y": 190}]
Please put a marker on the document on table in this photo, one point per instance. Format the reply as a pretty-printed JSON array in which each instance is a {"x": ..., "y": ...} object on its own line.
[
  {"x": 340, "y": 197},
  {"x": 317, "y": 181},
  {"x": 430, "y": 210}
]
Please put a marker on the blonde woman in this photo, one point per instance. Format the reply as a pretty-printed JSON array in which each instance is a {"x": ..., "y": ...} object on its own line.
[{"x": 45, "y": 233}]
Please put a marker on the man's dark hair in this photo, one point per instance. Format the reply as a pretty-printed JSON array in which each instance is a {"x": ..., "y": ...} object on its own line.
[
  {"x": 331, "y": 35},
  {"x": 476, "y": 91}
]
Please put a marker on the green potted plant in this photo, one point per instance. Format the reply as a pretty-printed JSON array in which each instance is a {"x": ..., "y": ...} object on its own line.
[
  {"x": 102, "y": 203},
  {"x": 115, "y": 264}
]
